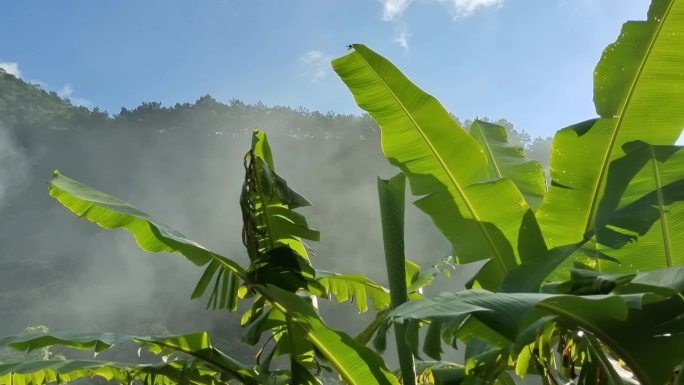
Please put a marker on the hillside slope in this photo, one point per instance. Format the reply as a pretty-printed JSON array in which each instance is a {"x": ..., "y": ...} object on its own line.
[{"x": 184, "y": 165}]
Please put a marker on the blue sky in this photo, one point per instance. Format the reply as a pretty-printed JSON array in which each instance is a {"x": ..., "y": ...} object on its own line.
[{"x": 529, "y": 61}]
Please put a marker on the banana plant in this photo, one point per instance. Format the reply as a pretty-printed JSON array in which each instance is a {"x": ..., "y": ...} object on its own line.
[
  {"x": 618, "y": 214},
  {"x": 202, "y": 365},
  {"x": 529, "y": 310},
  {"x": 445, "y": 166},
  {"x": 636, "y": 95},
  {"x": 391, "y": 193},
  {"x": 280, "y": 280}
]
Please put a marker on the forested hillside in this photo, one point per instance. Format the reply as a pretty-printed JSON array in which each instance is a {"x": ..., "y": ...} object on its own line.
[{"x": 184, "y": 164}]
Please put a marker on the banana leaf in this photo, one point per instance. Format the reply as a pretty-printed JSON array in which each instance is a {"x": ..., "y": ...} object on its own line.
[
  {"x": 637, "y": 328},
  {"x": 354, "y": 287},
  {"x": 444, "y": 165},
  {"x": 196, "y": 345},
  {"x": 640, "y": 219},
  {"x": 63, "y": 371},
  {"x": 150, "y": 234},
  {"x": 509, "y": 161},
  {"x": 637, "y": 95}
]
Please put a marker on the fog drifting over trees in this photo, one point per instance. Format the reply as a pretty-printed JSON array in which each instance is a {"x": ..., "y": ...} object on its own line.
[{"x": 182, "y": 164}]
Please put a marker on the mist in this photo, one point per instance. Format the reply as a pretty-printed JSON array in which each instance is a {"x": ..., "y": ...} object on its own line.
[
  {"x": 70, "y": 274},
  {"x": 183, "y": 165},
  {"x": 13, "y": 166}
]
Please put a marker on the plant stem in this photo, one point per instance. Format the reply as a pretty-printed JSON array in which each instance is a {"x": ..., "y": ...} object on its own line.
[{"x": 391, "y": 193}]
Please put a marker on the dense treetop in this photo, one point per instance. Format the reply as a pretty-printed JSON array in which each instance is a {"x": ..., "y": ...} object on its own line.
[{"x": 25, "y": 106}]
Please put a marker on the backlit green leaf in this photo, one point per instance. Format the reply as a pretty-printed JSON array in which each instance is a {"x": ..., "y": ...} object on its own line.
[
  {"x": 637, "y": 94},
  {"x": 443, "y": 163}
]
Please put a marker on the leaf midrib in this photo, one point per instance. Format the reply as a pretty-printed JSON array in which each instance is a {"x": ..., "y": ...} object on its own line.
[
  {"x": 607, "y": 156},
  {"x": 490, "y": 153},
  {"x": 442, "y": 163},
  {"x": 211, "y": 360},
  {"x": 667, "y": 247},
  {"x": 66, "y": 198}
]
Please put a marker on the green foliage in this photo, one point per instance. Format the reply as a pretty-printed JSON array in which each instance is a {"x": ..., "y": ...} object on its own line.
[
  {"x": 635, "y": 92},
  {"x": 345, "y": 287},
  {"x": 509, "y": 161},
  {"x": 206, "y": 361},
  {"x": 279, "y": 272},
  {"x": 392, "y": 193},
  {"x": 42, "y": 354},
  {"x": 610, "y": 230},
  {"x": 113, "y": 213},
  {"x": 443, "y": 163},
  {"x": 24, "y": 106},
  {"x": 616, "y": 214}
]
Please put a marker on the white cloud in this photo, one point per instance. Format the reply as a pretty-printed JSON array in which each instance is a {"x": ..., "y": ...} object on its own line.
[
  {"x": 465, "y": 8},
  {"x": 317, "y": 64},
  {"x": 402, "y": 38},
  {"x": 680, "y": 141},
  {"x": 11, "y": 68},
  {"x": 393, "y": 9},
  {"x": 65, "y": 91}
]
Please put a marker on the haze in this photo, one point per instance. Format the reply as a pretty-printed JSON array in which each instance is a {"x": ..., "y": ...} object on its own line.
[{"x": 116, "y": 94}]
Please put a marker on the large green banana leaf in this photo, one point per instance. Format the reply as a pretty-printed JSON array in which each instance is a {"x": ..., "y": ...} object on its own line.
[
  {"x": 443, "y": 162},
  {"x": 196, "y": 345},
  {"x": 509, "y": 313},
  {"x": 113, "y": 213},
  {"x": 509, "y": 161},
  {"x": 640, "y": 220},
  {"x": 637, "y": 93},
  {"x": 63, "y": 371},
  {"x": 666, "y": 281},
  {"x": 151, "y": 235},
  {"x": 638, "y": 328},
  {"x": 356, "y": 363}
]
